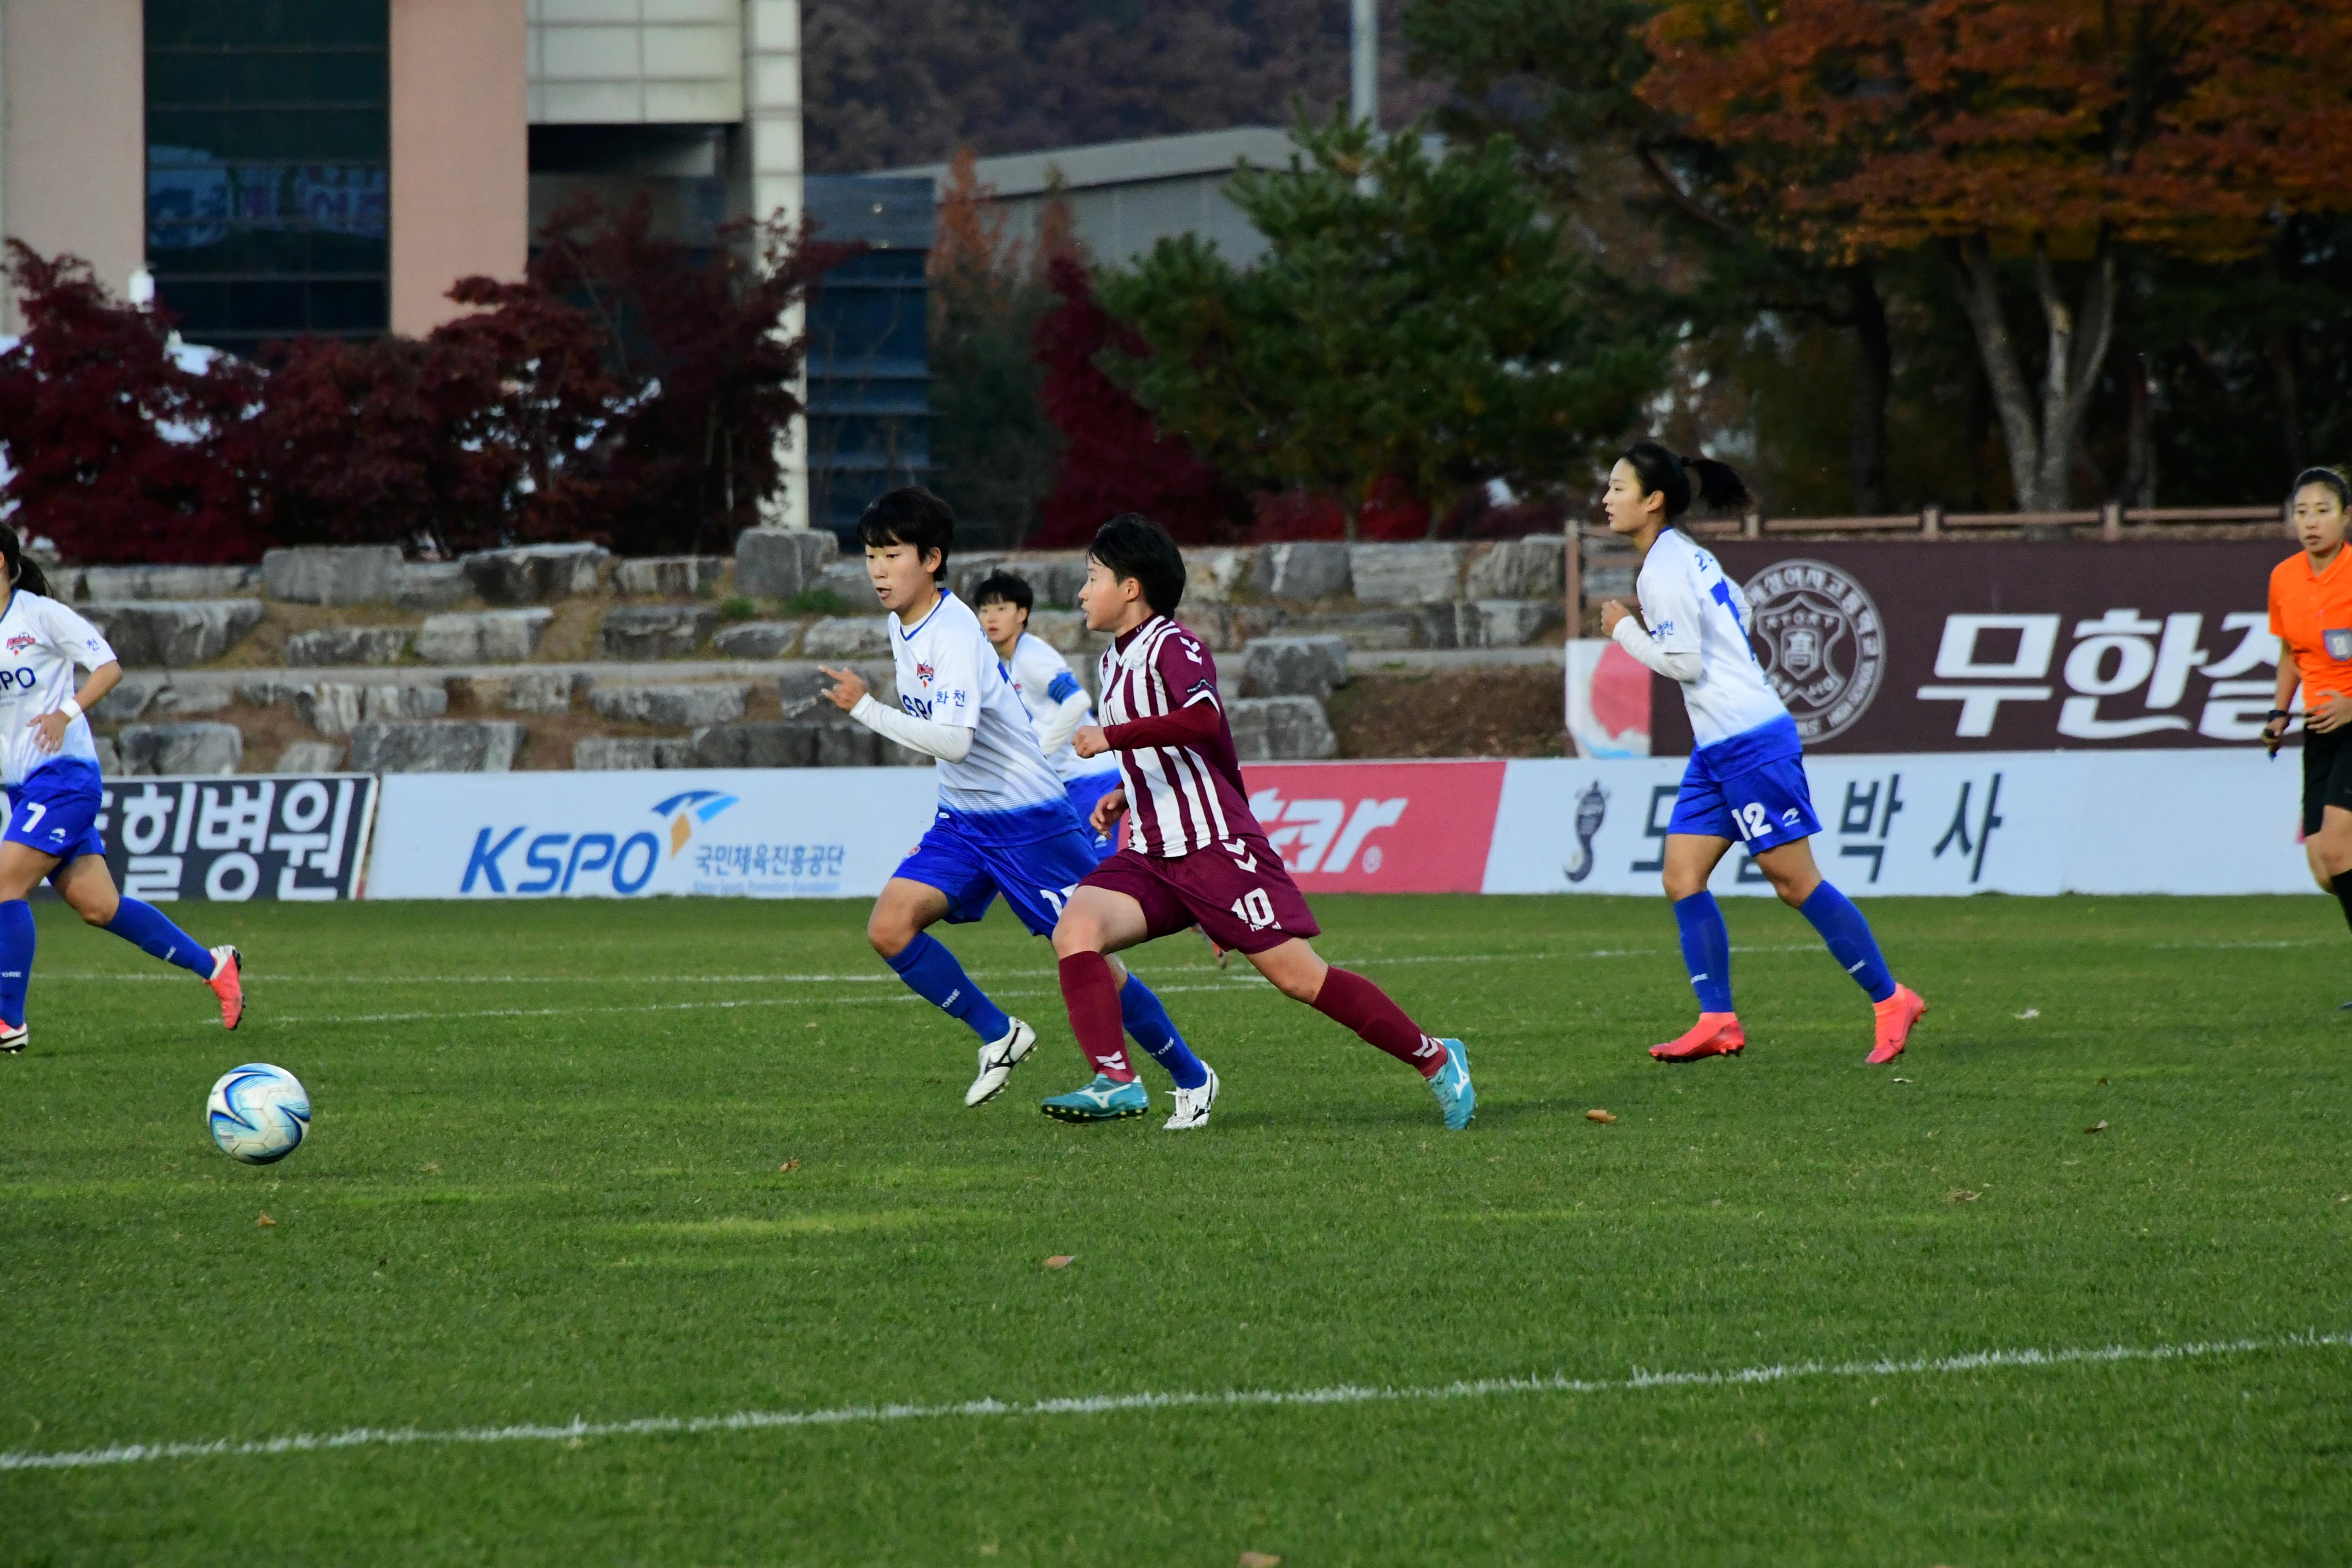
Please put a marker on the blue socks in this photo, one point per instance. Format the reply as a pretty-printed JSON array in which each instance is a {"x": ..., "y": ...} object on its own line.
[
  {"x": 145, "y": 927},
  {"x": 932, "y": 972},
  {"x": 16, "y": 959},
  {"x": 1849, "y": 938},
  {"x": 1147, "y": 1022},
  {"x": 1706, "y": 950}
]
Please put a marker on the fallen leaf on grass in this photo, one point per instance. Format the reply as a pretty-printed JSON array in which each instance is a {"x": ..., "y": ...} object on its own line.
[
  {"x": 2102, "y": 1127},
  {"x": 2030, "y": 1013},
  {"x": 1902, "y": 1080},
  {"x": 1962, "y": 1195},
  {"x": 264, "y": 1222},
  {"x": 791, "y": 1164},
  {"x": 1061, "y": 1260},
  {"x": 2103, "y": 1083},
  {"x": 1600, "y": 1116},
  {"x": 1258, "y": 1560}
]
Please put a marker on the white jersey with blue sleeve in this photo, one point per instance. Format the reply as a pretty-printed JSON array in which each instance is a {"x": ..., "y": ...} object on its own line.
[
  {"x": 1044, "y": 680},
  {"x": 41, "y": 643},
  {"x": 1693, "y": 609},
  {"x": 948, "y": 673}
]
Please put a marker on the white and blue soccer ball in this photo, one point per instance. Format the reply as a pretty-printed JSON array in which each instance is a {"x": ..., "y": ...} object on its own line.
[{"x": 258, "y": 1113}]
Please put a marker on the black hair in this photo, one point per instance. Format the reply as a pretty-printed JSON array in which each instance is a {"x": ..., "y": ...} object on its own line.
[
  {"x": 23, "y": 571},
  {"x": 912, "y": 516},
  {"x": 1005, "y": 587},
  {"x": 2333, "y": 478},
  {"x": 1131, "y": 545},
  {"x": 1660, "y": 472}
]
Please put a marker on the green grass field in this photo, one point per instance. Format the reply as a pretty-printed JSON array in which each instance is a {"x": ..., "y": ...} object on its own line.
[{"x": 543, "y": 1183}]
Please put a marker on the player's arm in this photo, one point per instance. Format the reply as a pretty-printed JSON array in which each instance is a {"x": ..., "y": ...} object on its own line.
[
  {"x": 1183, "y": 667},
  {"x": 1071, "y": 709},
  {"x": 1669, "y": 645},
  {"x": 89, "y": 649},
  {"x": 949, "y": 743},
  {"x": 2290, "y": 676}
]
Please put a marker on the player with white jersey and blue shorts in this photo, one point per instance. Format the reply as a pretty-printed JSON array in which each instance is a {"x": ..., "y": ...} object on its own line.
[
  {"x": 49, "y": 763},
  {"x": 1746, "y": 780},
  {"x": 1057, "y": 704},
  {"x": 1004, "y": 825}
]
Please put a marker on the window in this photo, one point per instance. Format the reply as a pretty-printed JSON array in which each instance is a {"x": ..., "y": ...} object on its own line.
[{"x": 268, "y": 187}]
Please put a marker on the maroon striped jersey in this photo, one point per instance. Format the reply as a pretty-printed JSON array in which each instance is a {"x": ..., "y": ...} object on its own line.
[{"x": 1179, "y": 797}]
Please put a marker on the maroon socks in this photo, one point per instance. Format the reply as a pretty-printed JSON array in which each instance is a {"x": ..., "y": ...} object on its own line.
[
  {"x": 1092, "y": 997},
  {"x": 1356, "y": 1002}
]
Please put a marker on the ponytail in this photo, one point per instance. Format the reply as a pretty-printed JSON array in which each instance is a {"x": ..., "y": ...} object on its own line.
[
  {"x": 23, "y": 571},
  {"x": 1682, "y": 480}
]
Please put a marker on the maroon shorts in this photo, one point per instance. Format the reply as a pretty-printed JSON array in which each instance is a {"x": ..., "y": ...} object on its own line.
[{"x": 1241, "y": 897}]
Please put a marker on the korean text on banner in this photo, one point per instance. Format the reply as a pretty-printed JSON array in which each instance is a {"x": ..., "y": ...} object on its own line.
[
  {"x": 230, "y": 839},
  {"x": 766, "y": 832},
  {"x": 1379, "y": 827},
  {"x": 2014, "y": 822}
]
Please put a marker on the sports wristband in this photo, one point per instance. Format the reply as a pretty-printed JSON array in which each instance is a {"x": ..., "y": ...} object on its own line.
[{"x": 71, "y": 709}]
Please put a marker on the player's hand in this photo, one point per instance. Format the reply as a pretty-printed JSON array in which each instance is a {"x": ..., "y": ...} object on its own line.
[
  {"x": 49, "y": 733},
  {"x": 2274, "y": 733},
  {"x": 2331, "y": 715},
  {"x": 1612, "y": 612},
  {"x": 847, "y": 689},
  {"x": 1087, "y": 741},
  {"x": 1109, "y": 809}
]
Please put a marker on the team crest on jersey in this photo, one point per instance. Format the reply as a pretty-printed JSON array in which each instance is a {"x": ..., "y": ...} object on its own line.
[
  {"x": 21, "y": 641},
  {"x": 1819, "y": 637},
  {"x": 924, "y": 673}
]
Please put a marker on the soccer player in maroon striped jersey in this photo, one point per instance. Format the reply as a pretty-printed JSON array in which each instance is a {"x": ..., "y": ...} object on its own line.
[{"x": 1194, "y": 854}]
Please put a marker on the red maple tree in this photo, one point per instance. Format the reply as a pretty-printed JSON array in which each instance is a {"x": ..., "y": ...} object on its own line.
[
  {"x": 126, "y": 446},
  {"x": 1113, "y": 459}
]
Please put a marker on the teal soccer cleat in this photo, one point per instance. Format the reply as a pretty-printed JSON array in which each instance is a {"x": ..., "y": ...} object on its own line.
[
  {"x": 1101, "y": 1100},
  {"x": 1451, "y": 1084}
]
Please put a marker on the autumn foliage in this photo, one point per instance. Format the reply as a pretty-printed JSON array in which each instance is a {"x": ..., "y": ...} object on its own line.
[
  {"x": 1884, "y": 124},
  {"x": 625, "y": 391}
]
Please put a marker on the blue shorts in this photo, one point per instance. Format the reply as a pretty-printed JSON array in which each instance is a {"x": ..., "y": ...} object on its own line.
[
  {"x": 54, "y": 810},
  {"x": 971, "y": 870},
  {"x": 1083, "y": 793},
  {"x": 1751, "y": 787}
]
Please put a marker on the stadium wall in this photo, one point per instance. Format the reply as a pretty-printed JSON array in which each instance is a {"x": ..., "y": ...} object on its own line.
[{"x": 2027, "y": 822}]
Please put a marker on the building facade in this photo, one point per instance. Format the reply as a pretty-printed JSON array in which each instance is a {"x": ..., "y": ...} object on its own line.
[{"x": 334, "y": 166}]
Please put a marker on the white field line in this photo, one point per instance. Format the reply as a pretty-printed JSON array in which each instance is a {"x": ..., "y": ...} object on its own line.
[
  {"x": 579, "y": 1429},
  {"x": 1253, "y": 987},
  {"x": 869, "y": 978}
]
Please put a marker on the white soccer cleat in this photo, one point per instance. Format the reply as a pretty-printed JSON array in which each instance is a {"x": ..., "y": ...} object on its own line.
[
  {"x": 1193, "y": 1106},
  {"x": 11, "y": 1040},
  {"x": 997, "y": 1060}
]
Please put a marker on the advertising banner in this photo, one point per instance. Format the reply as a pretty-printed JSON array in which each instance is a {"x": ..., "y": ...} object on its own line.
[
  {"x": 770, "y": 833},
  {"x": 2033, "y": 822},
  {"x": 1379, "y": 827},
  {"x": 230, "y": 839},
  {"x": 2005, "y": 647}
]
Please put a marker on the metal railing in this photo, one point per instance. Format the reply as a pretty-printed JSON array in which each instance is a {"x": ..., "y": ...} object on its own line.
[{"x": 1935, "y": 522}]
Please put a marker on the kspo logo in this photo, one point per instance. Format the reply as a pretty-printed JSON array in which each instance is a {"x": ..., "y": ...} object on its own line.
[
  {"x": 1820, "y": 642},
  {"x": 559, "y": 859},
  {"x": 1323, "y": 835}
]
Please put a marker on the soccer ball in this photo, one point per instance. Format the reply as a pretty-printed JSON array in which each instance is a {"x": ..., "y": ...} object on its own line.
[{"x": 258, "y": 1113}]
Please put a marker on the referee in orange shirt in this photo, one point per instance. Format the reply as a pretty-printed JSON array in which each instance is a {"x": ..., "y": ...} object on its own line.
[{"x": 2311, "y": 611}]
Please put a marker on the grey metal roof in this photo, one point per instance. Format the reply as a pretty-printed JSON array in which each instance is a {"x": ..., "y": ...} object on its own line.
[{"x": 1126, "y": 162}]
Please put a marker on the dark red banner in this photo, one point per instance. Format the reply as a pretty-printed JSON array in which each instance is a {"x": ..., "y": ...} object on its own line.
[{"x": 2006, "y": 647}]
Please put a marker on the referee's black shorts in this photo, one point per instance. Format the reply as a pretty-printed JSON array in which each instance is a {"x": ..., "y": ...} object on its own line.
[{"x": 2326, "y": 774}]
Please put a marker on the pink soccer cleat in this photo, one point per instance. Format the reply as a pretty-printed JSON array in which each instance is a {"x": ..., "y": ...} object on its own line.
[
  {"x": 1715, "y": 1034},
  {"x": 228, "y": 985},
  {"x": 1895, "y": 1016}
]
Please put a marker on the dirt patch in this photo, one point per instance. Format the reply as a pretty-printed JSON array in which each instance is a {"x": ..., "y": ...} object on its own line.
[{"x": 1510, "y": 711}]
